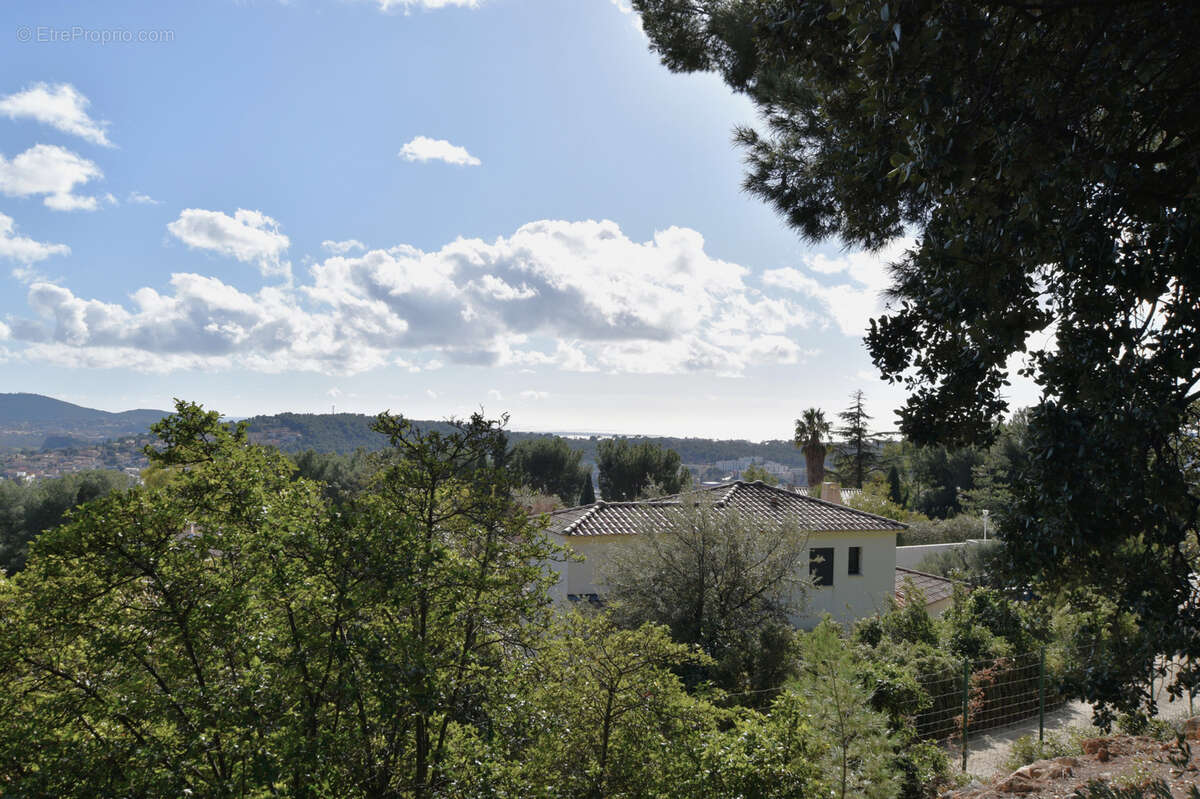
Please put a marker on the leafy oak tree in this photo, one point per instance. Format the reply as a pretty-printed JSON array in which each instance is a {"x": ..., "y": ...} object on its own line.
[{"x": 1041, "y": 158}]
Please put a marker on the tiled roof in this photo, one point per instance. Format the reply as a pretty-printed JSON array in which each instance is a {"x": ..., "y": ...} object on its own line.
[
  {"x": 934, "y": 588},
  {"x": 751, "y": 500}
]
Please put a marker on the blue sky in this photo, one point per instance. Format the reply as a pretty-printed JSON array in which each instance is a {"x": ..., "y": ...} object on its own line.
[{"x": 428, "y": 207}]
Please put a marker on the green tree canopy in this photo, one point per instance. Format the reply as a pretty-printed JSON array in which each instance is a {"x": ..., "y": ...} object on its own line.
[
  {"x": 228, "y": 634},
  {"x": 628, "y": 469},
  {"x": 550, "y": 465},
  {"x": 28, "y": 509},
  {"x": 726, "y": 584},
  {"x": 1042, "y": 160}
]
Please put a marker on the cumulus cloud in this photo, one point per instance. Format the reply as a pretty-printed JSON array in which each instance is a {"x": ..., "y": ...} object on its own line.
[
  {"x": 59, "y": 105},
  {"x": 423, "y": 148},
  {"x": 343, "y": 247},
  {"x": 50, "y": 170},
  {"x": 853, "y": 288},
  {"x": 251, "y": 237},
  {"x": 567, "y": 295},
  {"x": 534, "y": 396},
  {"x": 138, "y": 198},
  {"x": 25, "y": 250},
  {"x": 495, "y": 394}
]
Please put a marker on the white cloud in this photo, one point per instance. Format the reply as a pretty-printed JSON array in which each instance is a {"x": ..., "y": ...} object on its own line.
[
  {"x": 577, "y": 296},
  {"x": 334, "y": 393},
  {"x": 4, "y": 332},
  {"x": 429, "y": 392},
  {"x": 59, "y": 105},
  {"x": 251, "y": 237},
  {"x": 534, "y": 395},
  {"x": 25, "y": 250},
  {"x": 862, "y": 279},
  {"x": 423, "y": 148},
  {"x": 137, "y": 198},
  {"x": 495, "y": 394},
  {"x": 343, "y": 247},
  {"x": 50, "y": 170},
  {"x": 407, "y": 5}
]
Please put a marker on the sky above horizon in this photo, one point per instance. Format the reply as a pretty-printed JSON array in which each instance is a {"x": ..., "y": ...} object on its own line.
[{"x": 428, "y": 206}]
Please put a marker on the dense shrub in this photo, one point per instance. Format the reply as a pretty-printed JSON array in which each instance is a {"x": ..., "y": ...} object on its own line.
[{"x": 941, "y": 531}]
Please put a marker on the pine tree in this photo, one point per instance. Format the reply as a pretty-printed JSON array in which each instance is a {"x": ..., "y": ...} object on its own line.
[{"x": 856, "y": 454}]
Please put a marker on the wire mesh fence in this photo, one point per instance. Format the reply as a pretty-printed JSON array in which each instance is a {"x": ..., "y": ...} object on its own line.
[{"x": 989, "y": 694}]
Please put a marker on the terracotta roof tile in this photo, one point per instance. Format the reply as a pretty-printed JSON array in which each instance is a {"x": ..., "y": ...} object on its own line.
[
  {"x": 751, "y": 500},
  {"x": 934, "y": 588}
]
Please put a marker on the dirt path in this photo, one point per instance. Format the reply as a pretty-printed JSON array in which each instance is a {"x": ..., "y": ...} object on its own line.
[{"x": 988, "y": 750}]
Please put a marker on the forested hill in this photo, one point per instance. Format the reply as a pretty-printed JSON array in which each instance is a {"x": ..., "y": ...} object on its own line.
[
  {"x": 31, "y": 420},
  {"x": 346, "y": 432},
  {"x": 38, "y": 422}
]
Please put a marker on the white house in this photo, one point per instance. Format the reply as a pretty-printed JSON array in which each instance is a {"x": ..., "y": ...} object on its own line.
[{"x": 852, "y": 554}]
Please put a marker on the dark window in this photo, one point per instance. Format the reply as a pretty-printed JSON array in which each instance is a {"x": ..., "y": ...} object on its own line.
[
  {"x": 820, "y": 565},
  {"x": 854, "y": 565}
]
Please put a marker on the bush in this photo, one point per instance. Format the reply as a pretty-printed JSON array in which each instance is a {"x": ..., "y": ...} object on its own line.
[
  {"x": 977, "y": 564},
  {"x": 941, "y": 531},
  {"x": 1027, "y": 749}
]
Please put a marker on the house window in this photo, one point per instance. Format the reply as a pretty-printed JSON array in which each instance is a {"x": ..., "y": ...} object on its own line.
[
  {"x": 854, "y": 564},
  {"x": 820, "y": 565}
]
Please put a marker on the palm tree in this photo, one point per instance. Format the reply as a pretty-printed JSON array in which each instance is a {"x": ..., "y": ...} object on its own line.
[{"x": 812, "y": 436}]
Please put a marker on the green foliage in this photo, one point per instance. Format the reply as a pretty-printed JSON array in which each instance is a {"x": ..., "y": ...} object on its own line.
[
  {"x": 628, "y": 469},
  {"x": 594, "y": 712},
  {"x": 874, "y": 498},
  {"x": 342, "y": 476},
  {"x": 587, "y": 494},
  {"x": 28, "y": 509},
  {"x": 227, "y": 633},
  {"x": 1056, "y": 221},
  {"x": 812, "y": 438},
  {"x": 858, "y": 760},
  {"x": 773, "y": 755},
  {"x": 984, "y": 623},
  {"x": 940, "y": 531},
  {"x": 1028, "y": 749},
  {"x": 718, "y": 582},
  {"x": 857, "y": 457},
  {"x": 977, "y": 563},
  {"x": 1156, "y": 789},
  {"x": 895, "y": 490},
  {"x": 755, "y": 472},
  {"x": 550, "y": 465}
]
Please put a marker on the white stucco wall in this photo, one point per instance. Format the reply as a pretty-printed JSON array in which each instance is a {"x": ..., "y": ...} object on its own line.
[
  {"x": 910, "y": 557},
  {"x": 853, "y": 597},
  {"x": 850, "y": 597}
]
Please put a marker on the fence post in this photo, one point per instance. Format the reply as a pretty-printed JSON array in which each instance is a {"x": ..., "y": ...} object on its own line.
[
  {"x": 1042, "y": 697},
  {"x": 966, "y": 695}
]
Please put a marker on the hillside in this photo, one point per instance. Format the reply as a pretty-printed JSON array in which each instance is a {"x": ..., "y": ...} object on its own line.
[
  {"x": 346, "y": 432},
  {"x": 36, "y": 421}
]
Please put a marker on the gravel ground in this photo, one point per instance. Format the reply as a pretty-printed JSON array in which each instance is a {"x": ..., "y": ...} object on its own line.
[{"x": 988, "y": 750}]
